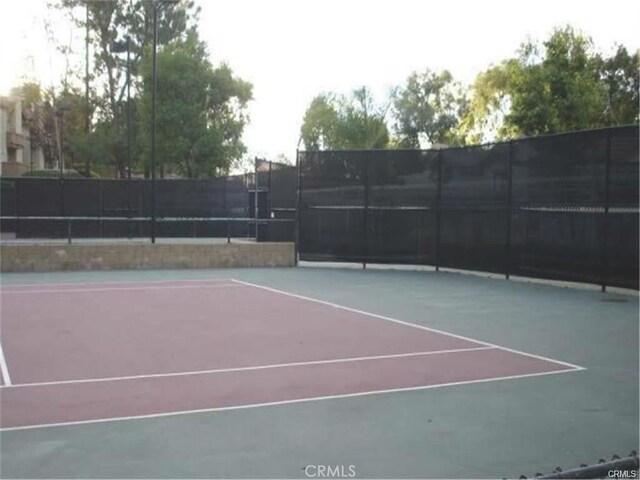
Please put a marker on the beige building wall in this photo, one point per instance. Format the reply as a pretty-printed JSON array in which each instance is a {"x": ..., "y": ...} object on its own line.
[{"x": 16, "y": 155}]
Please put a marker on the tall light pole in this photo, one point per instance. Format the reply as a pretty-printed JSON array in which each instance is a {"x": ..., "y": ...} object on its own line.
[
  {"x": 86, "y": 86},
  {"x": 154, "y": 92}
]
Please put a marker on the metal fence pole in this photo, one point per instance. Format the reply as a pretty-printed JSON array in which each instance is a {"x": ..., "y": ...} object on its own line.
[
  {"x": 438, "y": 209},
  {"x": 298, "y": 208},
  {"x": 269, "y": 190},
  {"x": 140, "y": 203},
  {"x": 101, "y": 196},
  {"x": 508, "y": 212},
  {"x": 255, "y": 194},
  {"x": 61, "y": 184},
  {"x": 226, "y": 208},
  {"x": 17, "y": 206},
  {"x": 604, "y": 266},
  {"x": 365, "y": 170}
]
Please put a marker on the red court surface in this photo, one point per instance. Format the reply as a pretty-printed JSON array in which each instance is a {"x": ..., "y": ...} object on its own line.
[{"x": 86, "y": 353}]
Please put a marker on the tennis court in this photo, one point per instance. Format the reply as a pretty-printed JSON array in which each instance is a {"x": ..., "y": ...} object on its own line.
[{"x": 264, "y": 372}]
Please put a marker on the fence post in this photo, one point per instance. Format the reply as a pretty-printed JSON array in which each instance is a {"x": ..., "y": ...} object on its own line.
[
  {"x": 61, "y": 196},
  {"x": 604, "y": 268},
  {"x": 269, "y": 192},
  {"x": 226, "y": 207},
  {"x": 255, "y": 194},
  {"x": 508, "y": 209},
  {"x": 129, "y": 208},
  {"x": 438, "y": 209},
  {"x": 17, "y": 207},
  {"x": 140, "y": 203},
  {"x": 365, "y": 171},
  {"x": 298, "y": 207},
  {"x": 101, "y": 197}
]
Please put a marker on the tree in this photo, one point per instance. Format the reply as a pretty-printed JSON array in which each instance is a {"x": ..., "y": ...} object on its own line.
[
  {"x": 201, "y": 111},
  {"x": 108, "y": 22},
  {"x": 427, "y": 109},
  {"x": 335, "y": 122},
  {"x": 559, "y": 86},
  {"x": 619, "y": 74}
]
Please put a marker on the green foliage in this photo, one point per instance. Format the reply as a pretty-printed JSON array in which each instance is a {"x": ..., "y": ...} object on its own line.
[
  {"x": 620, "y": 75},
  {"x": 559, "y": 86},
  {"x": 336, "y": 122},
  {"x": 108, "y": 22},
  {"x": 426, "y": 109},
  {"x": 200, "y": 111}
]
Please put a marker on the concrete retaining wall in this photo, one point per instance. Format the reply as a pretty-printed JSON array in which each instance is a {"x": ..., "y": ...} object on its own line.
[{"x": 55, "y": 257}]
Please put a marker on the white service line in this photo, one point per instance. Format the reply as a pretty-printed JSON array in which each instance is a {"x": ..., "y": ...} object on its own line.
[
  {"x": 243, "y": 369},
  {"x": 414, "y": 325},
  {"x": 282, "y": 402},
  {"x": 4, "y": 368},
  {"x": 115, "y": 289}
]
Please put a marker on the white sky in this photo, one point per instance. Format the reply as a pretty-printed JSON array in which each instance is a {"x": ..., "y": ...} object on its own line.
[{"x": 293, "y": 50}]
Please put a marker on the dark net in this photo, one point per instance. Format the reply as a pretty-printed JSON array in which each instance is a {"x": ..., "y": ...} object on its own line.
[
  {"x": 332, "y": 222},
  {"x": 560, "y": 193},
  {"x": 621, "y": 254},
  {"x": 473, "y": 205},
  {"x": 8, "y": 204},
  {"x": 402, "y": 195},
  {"x": 559, "y": 207}
]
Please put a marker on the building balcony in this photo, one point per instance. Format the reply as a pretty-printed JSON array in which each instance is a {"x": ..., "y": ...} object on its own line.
[{"x": 15, "y": 140}]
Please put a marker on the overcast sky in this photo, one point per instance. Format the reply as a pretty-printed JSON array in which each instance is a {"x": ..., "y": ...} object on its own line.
[{"x": 293, "y": 50}]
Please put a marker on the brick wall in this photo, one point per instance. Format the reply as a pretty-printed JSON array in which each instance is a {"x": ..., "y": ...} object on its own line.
[{"x": 56, "y": 257}]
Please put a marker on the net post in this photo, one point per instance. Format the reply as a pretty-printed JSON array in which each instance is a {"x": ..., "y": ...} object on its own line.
[
  {"x": 69, "y": 231},
  {"x": 438, "y": 209},
  {"x": 508, "y": 212},
  {"x": 604, "y": 268}
]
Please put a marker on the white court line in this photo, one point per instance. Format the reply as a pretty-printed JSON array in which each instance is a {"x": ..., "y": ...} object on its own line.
[
  {"x": 282, "y": 402},
  {"x": 4, "y": 368},
  {"x": 114, "y": 283},
  {"x": 414, "y": 325},
  {"x": 115, "y": 289},
  {"x": 243, "y": 369}
]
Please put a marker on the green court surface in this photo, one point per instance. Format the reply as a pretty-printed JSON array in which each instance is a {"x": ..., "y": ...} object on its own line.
[{"x": 494, "y": 429}]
